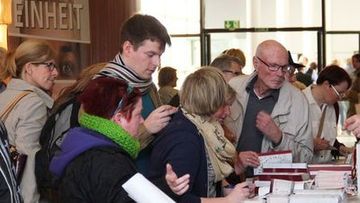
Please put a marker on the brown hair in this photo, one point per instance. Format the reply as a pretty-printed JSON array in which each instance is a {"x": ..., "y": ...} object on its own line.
[
  {"x": 142, "y": 27},
  {"x": 334, "y": 75},
  {"x": 236, "y": 53},
  {"x": 166, "y": 76}
]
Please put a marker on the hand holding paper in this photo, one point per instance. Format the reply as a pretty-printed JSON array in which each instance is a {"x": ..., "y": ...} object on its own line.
[
  {"x": 273, "y": 157},
  {"x": 142, "y": 190}
]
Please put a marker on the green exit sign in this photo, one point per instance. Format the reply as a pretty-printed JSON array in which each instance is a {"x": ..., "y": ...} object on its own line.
[{"x": 232, "y": 24}]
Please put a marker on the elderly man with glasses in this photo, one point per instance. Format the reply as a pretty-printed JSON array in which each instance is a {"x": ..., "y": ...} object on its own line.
[{"x": 269, "y": 114}]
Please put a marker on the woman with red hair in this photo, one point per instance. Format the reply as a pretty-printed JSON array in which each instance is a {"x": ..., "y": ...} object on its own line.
[{"x": 97, "y": 158}]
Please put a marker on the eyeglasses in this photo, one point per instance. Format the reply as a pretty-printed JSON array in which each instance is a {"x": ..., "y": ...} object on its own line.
[
  {"x": 232, "y": 72},
  {"x": 275, "y": 67},
  {"x": 338, "y": 94},
  {"x": 50, "y": 65}
]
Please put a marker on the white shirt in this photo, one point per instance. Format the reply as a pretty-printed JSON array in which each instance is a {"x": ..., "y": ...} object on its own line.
[{"x": 329, "y": 130}]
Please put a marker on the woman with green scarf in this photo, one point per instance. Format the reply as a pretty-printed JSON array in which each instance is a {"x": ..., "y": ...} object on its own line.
[{"x": 97, "y": 158}]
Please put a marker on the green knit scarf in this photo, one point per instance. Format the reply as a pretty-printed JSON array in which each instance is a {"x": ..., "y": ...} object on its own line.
[{"x": 113, "y": 131}]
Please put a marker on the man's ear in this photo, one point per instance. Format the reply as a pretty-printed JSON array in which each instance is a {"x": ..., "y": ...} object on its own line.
[
  {"x": 127, "y": 47},
  {"x": 255, "y": 63},
  {"x": 326, "y": 83}
]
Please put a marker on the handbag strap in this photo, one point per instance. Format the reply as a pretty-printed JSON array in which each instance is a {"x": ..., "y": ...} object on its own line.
[
  {"x": 12, "y": 104},
  {"x": 321, "y": 125}
]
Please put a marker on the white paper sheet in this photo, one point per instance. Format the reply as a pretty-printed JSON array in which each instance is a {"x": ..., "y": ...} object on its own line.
[
  {"x": 276, "y": 157},
  {"x": 142, "y": 190}
]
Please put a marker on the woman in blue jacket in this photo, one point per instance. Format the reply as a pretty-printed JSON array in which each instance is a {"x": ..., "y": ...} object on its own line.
[{"x": 194, "y": 143}]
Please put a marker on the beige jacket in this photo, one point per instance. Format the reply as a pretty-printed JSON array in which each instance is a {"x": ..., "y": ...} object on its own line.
[
  {"x": 290, "y": 113},
  {"x": 24, "y": 125}
]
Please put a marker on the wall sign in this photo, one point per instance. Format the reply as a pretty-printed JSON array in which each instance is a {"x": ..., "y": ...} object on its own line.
[{"x": 62, "y": 20}]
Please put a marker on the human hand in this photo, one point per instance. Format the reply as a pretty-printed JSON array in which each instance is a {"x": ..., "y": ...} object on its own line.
[
  {"x": 247, "y": 158},
  {"x": 159, "y": 118},
  {"x": 240, "y": 192},
  {"x": 345, "y": 150},
  {"x": 321, "y": 144},
  {"x": 268, "y": 127},
  {"x": 178, "y": 185},
  {"x": 353, "y": 124}
]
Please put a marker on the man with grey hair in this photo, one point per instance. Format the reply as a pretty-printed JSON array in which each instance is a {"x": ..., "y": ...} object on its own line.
[
  {"x": 229, "y": 65},
  {"x": 269, "y": 114}
]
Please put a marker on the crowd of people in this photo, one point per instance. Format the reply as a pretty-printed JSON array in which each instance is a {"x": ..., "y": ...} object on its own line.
[{"x": 191, "y": 143}]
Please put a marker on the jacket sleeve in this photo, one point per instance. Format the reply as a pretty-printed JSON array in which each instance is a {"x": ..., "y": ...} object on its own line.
[
  {"x": 97, "y": 175},
  {"x": 145, "y": 137},
  {"x": 108, "y": 177},
  {"x": 297, "y": 131},
  {"x": 184, "y": 154}
]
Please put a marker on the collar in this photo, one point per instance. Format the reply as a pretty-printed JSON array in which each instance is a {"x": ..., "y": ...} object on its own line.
[
  {"x": 112, "y": 131},
  {"x": 118, "y": 69},
  {"x": 22, "y": 85},
  {"x": 250, "y": 89}
]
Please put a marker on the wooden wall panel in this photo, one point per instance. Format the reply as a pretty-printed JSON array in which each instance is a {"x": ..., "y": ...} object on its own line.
[{"x": 106, "y": 18}]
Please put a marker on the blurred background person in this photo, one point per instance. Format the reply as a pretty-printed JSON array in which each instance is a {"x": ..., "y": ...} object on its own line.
[
  {"x": 312, "y": 71},
  {"x": 230, "y": 66},
  {"x": 291, "y": 76},
  {"x": 353, "y": 94},
  {"x": 236, "y": 53},
  {"x": 302, "y": 77},
  {"x": 167, "y": 79}
]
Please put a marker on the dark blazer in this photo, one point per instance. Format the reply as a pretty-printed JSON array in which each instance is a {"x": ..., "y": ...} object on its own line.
[{"x": 180, "y": 144}]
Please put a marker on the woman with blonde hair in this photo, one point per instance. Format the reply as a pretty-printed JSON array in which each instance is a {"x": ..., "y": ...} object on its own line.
[
  {"x": 194, "y": 143},
  {"x": 27, "y": 100}
]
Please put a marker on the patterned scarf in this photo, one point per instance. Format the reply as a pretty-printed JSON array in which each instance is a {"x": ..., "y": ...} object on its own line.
[
  {"x": 117, "y": 69},
  {"x": 220, "y": 150},
  {"x": 112, "y": 131}
]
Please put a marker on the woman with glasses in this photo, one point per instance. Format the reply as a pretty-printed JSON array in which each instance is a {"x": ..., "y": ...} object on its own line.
[
  {"x": 332, "y": 84},
  {"x": 33, "y": 76}
]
